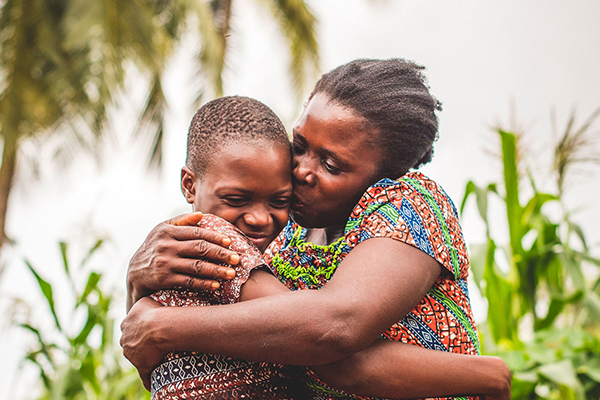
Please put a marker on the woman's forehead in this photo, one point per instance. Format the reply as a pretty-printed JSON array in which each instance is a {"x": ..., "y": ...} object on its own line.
[{"x": 333, "y": 128}]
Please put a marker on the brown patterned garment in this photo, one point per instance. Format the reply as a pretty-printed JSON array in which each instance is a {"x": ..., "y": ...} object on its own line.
[{"x": 192, "y": 375}]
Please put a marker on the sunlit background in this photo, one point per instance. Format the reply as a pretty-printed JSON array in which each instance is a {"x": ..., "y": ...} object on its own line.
[{"x": 524, "y": 66}]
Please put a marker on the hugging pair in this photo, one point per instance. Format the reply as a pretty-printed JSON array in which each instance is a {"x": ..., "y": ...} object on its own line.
[{"x": 381, "y": 243}]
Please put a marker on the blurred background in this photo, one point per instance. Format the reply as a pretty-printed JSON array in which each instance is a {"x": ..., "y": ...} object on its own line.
[{"x": 96, "y": 98}]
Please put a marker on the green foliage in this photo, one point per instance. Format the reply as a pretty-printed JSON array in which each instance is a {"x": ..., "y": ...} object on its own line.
[
  {"x": 64, "y": 62},
  {"x": 548, "y": 287},
  {"x": 80, "y": 359},
  {"x": 556, "y": 364}
]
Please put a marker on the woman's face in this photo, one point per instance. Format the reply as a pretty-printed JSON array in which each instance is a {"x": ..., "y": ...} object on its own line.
[{"x": 334, "y": 163}]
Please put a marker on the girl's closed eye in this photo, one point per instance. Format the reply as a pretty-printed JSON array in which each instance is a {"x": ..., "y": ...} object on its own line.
[{"x": 235, "y": 201}]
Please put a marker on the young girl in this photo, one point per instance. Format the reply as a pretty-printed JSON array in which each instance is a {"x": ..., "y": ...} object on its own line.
[{"x": 238, "y": 171}]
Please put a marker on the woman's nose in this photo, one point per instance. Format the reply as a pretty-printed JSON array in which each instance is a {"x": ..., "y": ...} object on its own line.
[{"x": 303, "y": 173}]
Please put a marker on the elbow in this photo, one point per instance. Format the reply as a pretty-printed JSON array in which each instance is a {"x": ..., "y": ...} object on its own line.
[{"x": 338, "y": 337}]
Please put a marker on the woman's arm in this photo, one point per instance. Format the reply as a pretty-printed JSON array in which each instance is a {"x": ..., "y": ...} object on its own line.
[
  {"x": 171, "y": 256},
  {"x": 378, "y": 283},
  {"x": 398, "y": 370}
]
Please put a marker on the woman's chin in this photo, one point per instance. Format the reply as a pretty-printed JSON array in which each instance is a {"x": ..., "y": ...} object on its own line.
[{"x": 302, "y": 219}]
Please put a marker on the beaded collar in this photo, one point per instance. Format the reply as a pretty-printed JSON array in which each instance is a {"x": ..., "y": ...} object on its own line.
[{"x": 305, "y": 265}]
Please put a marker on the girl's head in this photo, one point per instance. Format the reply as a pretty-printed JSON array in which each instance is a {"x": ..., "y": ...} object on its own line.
[
  {"x": 364, "y": 121},
  {"x": 238, "y": 166}
]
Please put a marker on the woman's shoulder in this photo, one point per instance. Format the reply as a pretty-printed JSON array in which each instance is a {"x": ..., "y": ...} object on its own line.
[
  {"x": 416, "y": 210},
  {"x": 410, "y": 186},
  {"x": 413, "y": 190}
]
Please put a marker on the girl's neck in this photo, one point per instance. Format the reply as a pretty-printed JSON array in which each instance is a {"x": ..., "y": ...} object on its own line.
[{"x": 324, "y": 236}]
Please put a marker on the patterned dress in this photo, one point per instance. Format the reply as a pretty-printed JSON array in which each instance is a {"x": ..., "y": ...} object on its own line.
[
  {"x": 192, "y": 375},
  {"x": 414, "y": 210}
]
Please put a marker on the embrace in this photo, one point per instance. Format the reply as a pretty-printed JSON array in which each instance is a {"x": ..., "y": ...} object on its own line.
[{"x": 325, "y": 269}]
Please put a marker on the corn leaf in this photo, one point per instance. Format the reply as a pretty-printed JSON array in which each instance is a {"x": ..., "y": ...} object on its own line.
[{"x": 46, "y": 289}]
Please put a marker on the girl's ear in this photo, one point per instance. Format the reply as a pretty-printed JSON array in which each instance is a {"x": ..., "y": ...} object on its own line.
[{"x": 188, "y": 184}]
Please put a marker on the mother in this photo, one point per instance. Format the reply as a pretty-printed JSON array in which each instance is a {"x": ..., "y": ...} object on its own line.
[{"x": 396, "y": 248}]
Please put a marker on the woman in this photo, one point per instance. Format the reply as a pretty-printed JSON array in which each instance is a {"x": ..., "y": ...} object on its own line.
[{"x": 395, "y": 246}]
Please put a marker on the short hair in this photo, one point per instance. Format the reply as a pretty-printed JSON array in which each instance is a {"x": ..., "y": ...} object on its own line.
[
  {"x": 393, "y": 97},
  {"x": 227, "y": 120}
]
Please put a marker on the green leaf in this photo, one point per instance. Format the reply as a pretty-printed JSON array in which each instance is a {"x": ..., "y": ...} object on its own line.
[
  {"x": 91, "y": 322},
  {"x": 46, "y": 289},
  {"x": 91, "y": 285},
  {"x": 44, "y": 347},
  {"x": 63, "y": 253},
  {"x": 469, "y": 189},
  {"x": 562, "y": 373},
  {"x": 556, "y": 306},
  {"x": 514, "y": 210},
  {"x": 478, "y": 255},
  {"x": 91, "y": 252},
  {"x": 591, "y": 301},
  {"x": 534, "y": 205},
  {"x": 498, "y": 292},
  {"x": 592, "y": 369}
]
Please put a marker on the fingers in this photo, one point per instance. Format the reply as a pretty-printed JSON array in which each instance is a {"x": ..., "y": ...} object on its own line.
[
  {"x": 190, "y": 219},
  {"x": 184, "y": 233},
  {"x": 195, "y": 242},
  {"x": 199, "y": 275},
  {"x": 194, "y": 219}
]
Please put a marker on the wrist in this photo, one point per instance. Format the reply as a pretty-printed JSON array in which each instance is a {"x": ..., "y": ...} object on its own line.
[
  {"x": 498, "y": 376},
  {"x": 161, "y": 326}
]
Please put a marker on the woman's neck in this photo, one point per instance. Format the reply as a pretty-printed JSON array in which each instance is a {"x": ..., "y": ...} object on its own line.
[{"x": 324, "y": 236}]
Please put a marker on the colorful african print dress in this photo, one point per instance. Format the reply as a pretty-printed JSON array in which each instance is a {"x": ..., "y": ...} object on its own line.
[
  {"x": 414, "y": 210},
  {"x": 192, "y": 375}
]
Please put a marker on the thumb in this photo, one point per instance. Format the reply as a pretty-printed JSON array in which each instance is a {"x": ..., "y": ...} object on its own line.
[{"x": 190, "y": 219}]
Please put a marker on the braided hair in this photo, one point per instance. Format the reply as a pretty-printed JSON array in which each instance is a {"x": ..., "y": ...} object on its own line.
[
  {"x": 227, "y": 120},
  {"x": 393, "y": 97}
]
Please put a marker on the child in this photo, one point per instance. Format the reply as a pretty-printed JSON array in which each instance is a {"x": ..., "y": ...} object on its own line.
[{"x": 239, "y": 169}]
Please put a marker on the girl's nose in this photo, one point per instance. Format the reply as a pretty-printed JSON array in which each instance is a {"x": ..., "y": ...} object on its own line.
[{"x": 258, "y": 218}]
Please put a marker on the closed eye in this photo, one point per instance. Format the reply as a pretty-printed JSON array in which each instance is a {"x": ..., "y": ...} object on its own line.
[
  {"x": 331, "y": 168},
  {"x": 298, "y": 148},
  {"x": 235, "y": 201},
  {"x": 280, "y": 202}
]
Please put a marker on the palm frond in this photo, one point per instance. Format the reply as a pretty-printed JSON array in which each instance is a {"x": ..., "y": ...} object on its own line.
[
  {"x": 298, "y": 25},
  {"x": 151, "y": 122},
  {"x": 213, "y": 24}
]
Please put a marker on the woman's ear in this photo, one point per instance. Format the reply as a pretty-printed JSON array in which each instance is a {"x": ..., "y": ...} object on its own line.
[{"x": 188, "y": 184}]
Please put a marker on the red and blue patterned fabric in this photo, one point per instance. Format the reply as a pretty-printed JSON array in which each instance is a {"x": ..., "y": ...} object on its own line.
[
  {"x": 193, "y": 375},
  {"x": 414, "y": 210}
]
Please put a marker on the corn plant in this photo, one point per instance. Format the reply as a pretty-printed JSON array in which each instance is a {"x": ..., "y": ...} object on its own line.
[
  {"x": 544, "y": 309},
  {"x": 80, "y": 362}
]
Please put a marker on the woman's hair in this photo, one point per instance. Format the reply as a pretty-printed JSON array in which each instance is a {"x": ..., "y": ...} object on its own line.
[
  {"x": 227, "y": 120},
  {"x": 393, "y": 97}
]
